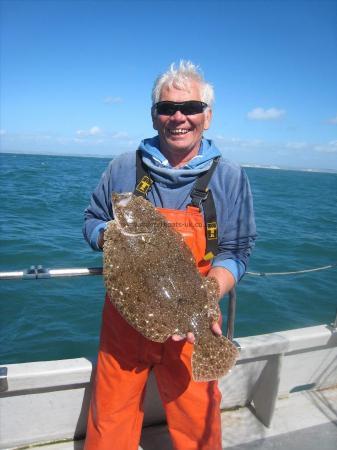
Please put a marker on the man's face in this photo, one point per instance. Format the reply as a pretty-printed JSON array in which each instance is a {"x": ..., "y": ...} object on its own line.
[{"x": 180, "y": 135}]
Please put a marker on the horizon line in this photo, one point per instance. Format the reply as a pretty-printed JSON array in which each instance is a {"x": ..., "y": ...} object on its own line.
[{"x": 243, "y": 164}]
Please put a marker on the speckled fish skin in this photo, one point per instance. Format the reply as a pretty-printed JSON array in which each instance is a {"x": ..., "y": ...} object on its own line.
[{"x": 152, "y": 280}]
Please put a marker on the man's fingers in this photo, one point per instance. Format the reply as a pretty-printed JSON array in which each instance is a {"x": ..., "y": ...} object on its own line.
[
  {"x": 189, "y": 337},
  {"x": 177, "y": 337},
  {"x": 216, "y": 329}
]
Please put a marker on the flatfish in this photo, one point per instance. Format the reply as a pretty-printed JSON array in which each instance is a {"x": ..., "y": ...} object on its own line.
[{"x": 151, "y": 278}]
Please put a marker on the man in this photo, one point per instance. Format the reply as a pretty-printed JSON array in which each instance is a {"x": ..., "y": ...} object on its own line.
[{"x": 209, "y": 200}]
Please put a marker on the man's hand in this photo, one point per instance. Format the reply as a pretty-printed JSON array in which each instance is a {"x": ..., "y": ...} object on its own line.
[
  {"x": 225, "y": 279},
  {"x": 189, "y": 337},
  {"x": 226, "y": 282},
  {"x": 215, "y": 327}
]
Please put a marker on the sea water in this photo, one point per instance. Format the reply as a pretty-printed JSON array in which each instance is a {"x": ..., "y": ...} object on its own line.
[{"x": 42, "y": 204}]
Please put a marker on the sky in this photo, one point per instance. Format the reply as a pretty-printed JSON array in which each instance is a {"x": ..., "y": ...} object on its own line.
[{"x": 77, "y": 76}]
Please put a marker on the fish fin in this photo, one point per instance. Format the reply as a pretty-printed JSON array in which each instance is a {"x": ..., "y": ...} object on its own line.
[{"x": 213, "y": 357}]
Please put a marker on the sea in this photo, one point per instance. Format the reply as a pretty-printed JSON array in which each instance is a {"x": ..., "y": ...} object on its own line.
[{"x": 42, "y": 203}]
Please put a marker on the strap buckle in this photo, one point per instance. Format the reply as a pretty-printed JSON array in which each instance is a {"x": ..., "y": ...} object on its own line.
[{"x": 198, "y": 196}]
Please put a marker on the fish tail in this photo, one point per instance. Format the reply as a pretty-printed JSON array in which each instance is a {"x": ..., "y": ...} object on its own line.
[{"x": 213, "y": 357}]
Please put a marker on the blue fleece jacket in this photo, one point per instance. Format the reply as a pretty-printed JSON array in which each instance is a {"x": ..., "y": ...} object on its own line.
[{"x": 171, "y": 189}]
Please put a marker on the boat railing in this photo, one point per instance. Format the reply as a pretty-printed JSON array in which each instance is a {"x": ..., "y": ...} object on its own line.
[
  {"x": 36, "y": 272},
  {"x": 40, "y": 272}
]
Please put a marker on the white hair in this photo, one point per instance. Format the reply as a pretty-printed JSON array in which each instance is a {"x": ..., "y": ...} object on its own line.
[{"x": 180, "y": 78}]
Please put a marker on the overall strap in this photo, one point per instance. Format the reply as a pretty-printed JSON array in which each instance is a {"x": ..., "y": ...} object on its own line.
[
  {"x": 201, "y": 196},
  {"x": 199, "y": 192},
  {"x": 143, "y": 180}
]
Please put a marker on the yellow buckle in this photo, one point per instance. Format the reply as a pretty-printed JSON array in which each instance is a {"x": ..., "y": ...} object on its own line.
[
  {"x": 144, "y": 185},
  {"x": 208, "y": 256}
]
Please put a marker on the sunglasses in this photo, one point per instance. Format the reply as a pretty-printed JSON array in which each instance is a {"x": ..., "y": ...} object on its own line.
[{"x": 187, "y": 108}]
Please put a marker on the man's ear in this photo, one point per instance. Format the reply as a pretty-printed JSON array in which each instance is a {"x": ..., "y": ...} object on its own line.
[{"x": 208, "y": 118}]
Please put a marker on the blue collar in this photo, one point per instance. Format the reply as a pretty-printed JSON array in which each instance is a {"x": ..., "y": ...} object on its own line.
[{"x": 150, "y": 149}]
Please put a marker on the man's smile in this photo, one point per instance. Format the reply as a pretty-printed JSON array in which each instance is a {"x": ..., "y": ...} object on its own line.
[{"x": 178, "y": 131}]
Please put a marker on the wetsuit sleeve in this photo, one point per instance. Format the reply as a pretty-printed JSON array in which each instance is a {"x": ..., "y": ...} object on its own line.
[
  {"x": 238, "y": 237},
  {"x": 99, "y": 211}
]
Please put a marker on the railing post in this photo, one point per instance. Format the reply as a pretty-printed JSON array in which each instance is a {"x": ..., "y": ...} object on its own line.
[{"x": 231, "y": 314}]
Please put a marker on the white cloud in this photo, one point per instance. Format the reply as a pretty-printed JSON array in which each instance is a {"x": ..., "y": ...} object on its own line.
[
  {"x": 120, "y": 135},
  {"x": 32, "y": 137},
  {"x": 296, "y": 145},
  {"x": 94, "y": 131},
  {"x": 239, "y": 142},
  {"x": 95, "y": 135},
  {"x": 265, "y": 114},
  {"x": 86, "y": 142},
  {"x": 333, "y": 120},
  {"x": 109, "y": 100},
  {"x": 330, "y": 147}
]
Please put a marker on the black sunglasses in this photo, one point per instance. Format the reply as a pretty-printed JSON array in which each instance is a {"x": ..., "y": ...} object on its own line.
[{"x": 187, "y": 108}]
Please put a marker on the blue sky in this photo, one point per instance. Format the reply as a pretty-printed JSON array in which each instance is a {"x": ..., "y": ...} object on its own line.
[{"x": 77, "y": 75}]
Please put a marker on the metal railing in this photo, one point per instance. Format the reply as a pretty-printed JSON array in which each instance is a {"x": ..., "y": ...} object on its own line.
[{"x": 39, "y": 272}]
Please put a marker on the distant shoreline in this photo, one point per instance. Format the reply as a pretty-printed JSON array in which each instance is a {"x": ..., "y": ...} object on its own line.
[
  {"x": 109, "y": 157},
  {"x": 299, "y": 169}
]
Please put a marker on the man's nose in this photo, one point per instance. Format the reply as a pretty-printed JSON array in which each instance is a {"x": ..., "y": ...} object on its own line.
[{"x": 178, "y": 116}]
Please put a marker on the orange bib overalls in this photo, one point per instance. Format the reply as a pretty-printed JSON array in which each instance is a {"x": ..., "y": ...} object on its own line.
[{"x": 124, "y": 362}]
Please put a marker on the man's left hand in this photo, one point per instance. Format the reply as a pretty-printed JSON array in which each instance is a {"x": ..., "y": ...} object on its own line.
[{"x": 215, "y": 327}]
